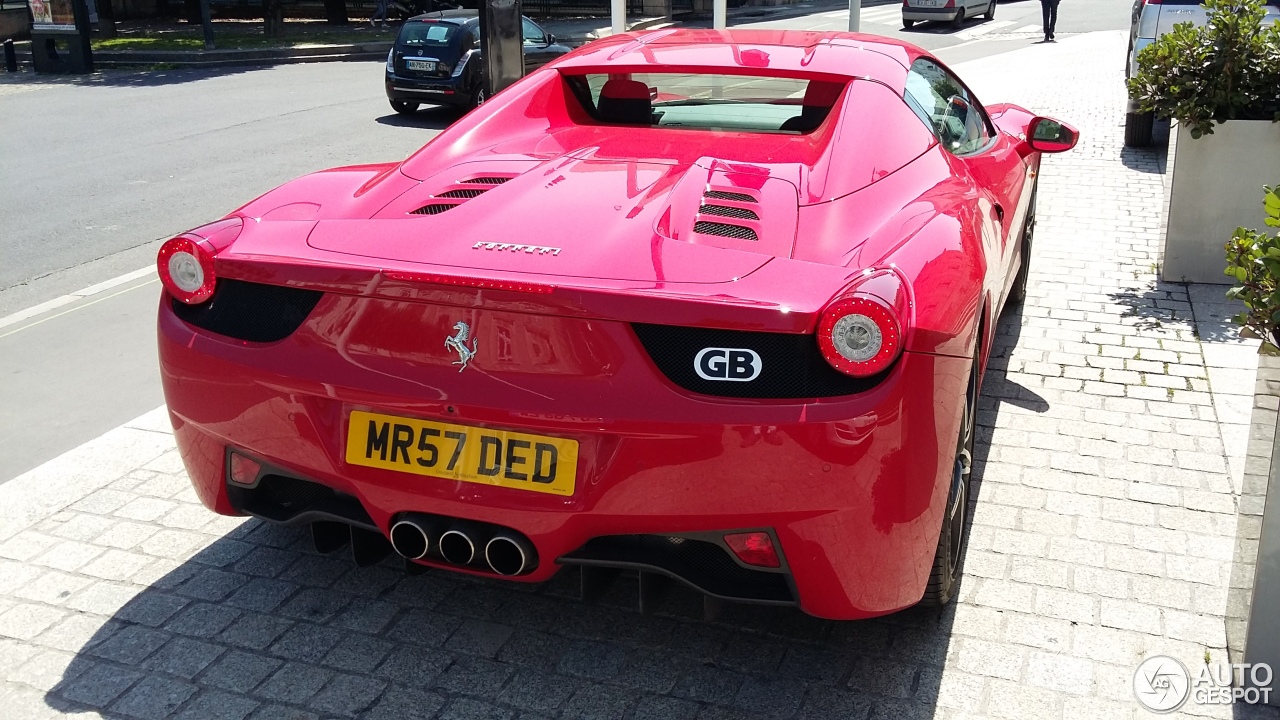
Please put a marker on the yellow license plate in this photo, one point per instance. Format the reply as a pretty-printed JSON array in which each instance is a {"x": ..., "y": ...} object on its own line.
[{"x": 458, "y": 452}]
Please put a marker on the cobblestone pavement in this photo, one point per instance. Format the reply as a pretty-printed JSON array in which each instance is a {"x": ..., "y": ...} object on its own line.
[{"x": 1114, "y": 420}]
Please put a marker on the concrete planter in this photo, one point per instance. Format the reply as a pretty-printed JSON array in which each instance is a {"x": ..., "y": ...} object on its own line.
[
  {"x": 1253, "y": 631},
  {"x": 1217, "y": 187}
]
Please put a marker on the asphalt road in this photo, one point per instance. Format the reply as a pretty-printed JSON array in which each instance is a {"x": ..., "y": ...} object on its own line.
[{"x": 98, "y": 172}]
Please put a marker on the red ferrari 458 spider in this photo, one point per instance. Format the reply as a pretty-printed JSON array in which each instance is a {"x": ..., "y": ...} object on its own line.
[{"x": 711, "y": 306}]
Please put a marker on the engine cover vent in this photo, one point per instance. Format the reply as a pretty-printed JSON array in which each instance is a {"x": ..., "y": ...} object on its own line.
[
  {"x": 732, "y": 212},
  {"x": 725, "y": 230},
  {"x": 722, "y": 195},
  {"x": 461, "y": 191}
]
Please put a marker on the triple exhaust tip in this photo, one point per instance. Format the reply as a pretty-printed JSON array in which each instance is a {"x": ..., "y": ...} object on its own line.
[{"x": 506, "y": 553}]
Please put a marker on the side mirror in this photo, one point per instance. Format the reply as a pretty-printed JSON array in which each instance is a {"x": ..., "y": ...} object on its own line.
[
  {"x": 1051, "y": 136},
  {"x": 551, "y": 39}
]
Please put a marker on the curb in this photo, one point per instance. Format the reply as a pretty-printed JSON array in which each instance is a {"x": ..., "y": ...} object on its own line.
[{"x": 81, "y": 294}]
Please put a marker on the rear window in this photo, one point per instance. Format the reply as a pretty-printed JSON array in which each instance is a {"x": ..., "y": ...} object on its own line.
[
  {"x": 691, "y": 101},
  {"x": 427, "y": 34}
]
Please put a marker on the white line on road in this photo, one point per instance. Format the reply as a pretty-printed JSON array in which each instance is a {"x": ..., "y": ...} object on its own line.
[
  {"x": 61, "y": 300},
  {"x": 982, "y": 29}
]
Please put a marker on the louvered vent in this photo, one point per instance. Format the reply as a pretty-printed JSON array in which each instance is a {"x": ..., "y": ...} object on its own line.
[
  {"x": 468, "y": 193},
  {"x": 722, "y": 195},
  {"x": 730, "y": 207},
  {"x": 732, "y": 212},
  {"x": 459, "y": 192},
  {"x": 724, "y": 230},
  {"x": 435, "y": 209}
]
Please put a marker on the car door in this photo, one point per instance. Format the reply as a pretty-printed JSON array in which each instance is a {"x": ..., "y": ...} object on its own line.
[
  {"x": 536, "y": 46},
  {"x": 989, "y": 157}
]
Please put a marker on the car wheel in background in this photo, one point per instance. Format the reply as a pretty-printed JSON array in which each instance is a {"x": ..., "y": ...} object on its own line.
[
  {"x": 990, "y": 14},
  {"x": 955, "y": 24},
  {"x": 944, "y": 579},
  {"x": 907, "y": 24},
  {"x": 1019, "y": 291},
  {"x": 404, "y": 107},
  {"x": 1137, "y": 129},
  {"x": 477, "y": 97}
]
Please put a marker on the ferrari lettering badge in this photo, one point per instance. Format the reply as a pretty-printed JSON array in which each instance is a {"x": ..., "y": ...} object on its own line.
[
  {"x": 529, "y": 249},
  {"x": 458, "y": 343},
  {"x": 727, "y": 364}
]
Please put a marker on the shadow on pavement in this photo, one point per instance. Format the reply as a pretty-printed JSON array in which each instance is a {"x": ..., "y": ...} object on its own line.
[
  {"x": 140, "y": 77},
  {"x": 431, "y": 117},
  {"x": 259, "y": 623}
]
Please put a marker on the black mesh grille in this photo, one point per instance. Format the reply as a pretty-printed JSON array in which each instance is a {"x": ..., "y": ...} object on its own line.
[
  {"x": 463, "y": 193},
  {"x": 724, "y": 230},
  {"x": 703, "y": 564},
  {"x": 726, "y": 211},
  {"x": 251, "y": 311},
  {"x": 791, "y": 366},
  {"x": 284, "y": 499},
  {"x": 435, "y": 208},
  {"x": 722, "y": 195},
  {"x": 486, "y": 180}
]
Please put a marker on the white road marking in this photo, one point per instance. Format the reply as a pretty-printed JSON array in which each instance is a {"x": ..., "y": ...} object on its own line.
[
  {"x": 983, "y": 29},
  {"x": 61, "y": 300},
  {"x": 80, "y": 307}
]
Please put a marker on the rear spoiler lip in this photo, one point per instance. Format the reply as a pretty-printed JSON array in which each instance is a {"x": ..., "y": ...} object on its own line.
[{"x": 784, "y": 296}]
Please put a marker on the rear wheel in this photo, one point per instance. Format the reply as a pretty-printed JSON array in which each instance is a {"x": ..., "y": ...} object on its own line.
[
  {"x": 477, "y": 97},
  {"x": 404, "y": 107},
  {"x": 955, "y": 24},
  {"x": 1138, "y": 128},
  {"x": 908, "y": 24},
  {"x": 1019, "y": 291},
  {"x": 990, "y": 14},
  {"x": 944, "y": 579}
]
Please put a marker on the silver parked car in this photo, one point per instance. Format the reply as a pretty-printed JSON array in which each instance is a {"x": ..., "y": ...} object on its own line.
[
  {"x": 1151, "y": 19},
  {"x": 952, "y": 11}
]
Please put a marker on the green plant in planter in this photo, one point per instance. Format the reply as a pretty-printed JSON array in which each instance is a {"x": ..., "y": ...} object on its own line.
[
  {"x": 1253, "y": 259},
  {"x": 1228, "y": 69}
]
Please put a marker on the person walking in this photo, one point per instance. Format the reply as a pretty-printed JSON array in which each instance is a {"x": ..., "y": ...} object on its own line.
[
  {"x": 380, "y": 13},
  {"x": 1049, "y": 9}
]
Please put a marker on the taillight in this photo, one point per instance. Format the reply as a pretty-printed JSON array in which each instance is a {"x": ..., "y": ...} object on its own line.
[
  {"x": 1153, "y": 2},
  {"x": 186, "y": 270},
  {"x": 859, "y": 335},
  {"x": 754, "y": 548}
]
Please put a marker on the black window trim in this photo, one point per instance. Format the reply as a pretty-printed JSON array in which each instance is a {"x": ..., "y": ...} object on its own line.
[{"x": 992, "y": 132}]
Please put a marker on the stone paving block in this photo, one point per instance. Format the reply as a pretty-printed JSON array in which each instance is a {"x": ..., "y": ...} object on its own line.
[
  {"x": 154, "y": 698},
  {"x": 214, "y": 705}
]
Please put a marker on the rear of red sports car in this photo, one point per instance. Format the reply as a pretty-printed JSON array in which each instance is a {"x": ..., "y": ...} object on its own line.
[{"x": 554, "y": 337}]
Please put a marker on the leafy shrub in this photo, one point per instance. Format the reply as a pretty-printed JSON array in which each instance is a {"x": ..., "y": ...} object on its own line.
[
  {"x": 1253, "y": 259},
  {"x": 1228, "y": 69}
]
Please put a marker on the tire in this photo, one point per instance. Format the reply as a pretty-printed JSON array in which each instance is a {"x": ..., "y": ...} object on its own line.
[
  {"x": 944, "y": 579},
  {"x": 990, "y": 14},
  {"x": 959, "y": 21},
  {"x": 1019, "y": 291},
  {"x": 404, "y": 107},
  {"x": 908, "y": 24},
  {"x": 477, "y": 97},
  {"x": 1138, "y": 128}
]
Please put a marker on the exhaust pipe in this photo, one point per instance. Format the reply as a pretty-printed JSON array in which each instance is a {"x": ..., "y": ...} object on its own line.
[
  {"x": 509, "y": 554},
  {"x": 457, "y": 545},
  {"x": 411, "y": 538}
]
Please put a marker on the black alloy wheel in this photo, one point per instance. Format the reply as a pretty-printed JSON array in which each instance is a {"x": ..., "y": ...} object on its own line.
[
  {"x": 959, "y": 21},
  {"x": 404, "y": 107},
  {"x": 477, "y": 97},
  {"x": 944, "y": 579},
  {"x": 990, "y": 14},
  {"x": 1018, "y": 293}
]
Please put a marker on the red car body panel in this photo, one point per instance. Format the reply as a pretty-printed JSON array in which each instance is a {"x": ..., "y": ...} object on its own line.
[{"x": 853, "y": 486}]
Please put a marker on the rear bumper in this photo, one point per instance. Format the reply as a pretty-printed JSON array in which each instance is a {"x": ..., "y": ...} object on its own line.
[
  {"x": 853, "y": 488},
  {"x": 926, "y": 14},
  {"x": 445, "y": 91}
]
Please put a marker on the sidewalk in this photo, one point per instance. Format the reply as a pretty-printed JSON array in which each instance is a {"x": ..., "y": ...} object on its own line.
[{"x": 1113, "y": 423}]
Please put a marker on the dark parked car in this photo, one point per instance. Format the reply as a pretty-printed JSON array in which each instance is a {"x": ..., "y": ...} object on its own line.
[{"x": 436, "y": 59}]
